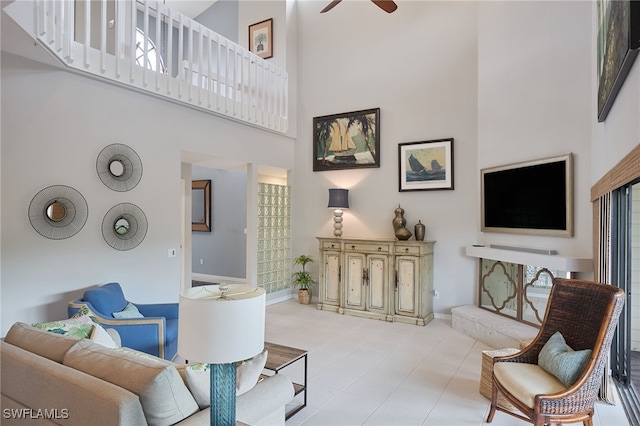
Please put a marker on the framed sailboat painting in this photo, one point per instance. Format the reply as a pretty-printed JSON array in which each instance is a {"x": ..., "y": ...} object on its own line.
[
  {"x": 350, "y": 140},
  {"x": 425, "y": 166}
]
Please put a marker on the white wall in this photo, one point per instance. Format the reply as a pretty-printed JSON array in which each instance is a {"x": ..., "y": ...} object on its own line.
[
  {"x": 534, "y": 95},
  {"x": 221, "y": 17},
  {"x": 254, "y": 11},
  {"x": 419, "y": 66},
  {"x": 509, "y": 81},
  {"x": 54, "y": 124}
]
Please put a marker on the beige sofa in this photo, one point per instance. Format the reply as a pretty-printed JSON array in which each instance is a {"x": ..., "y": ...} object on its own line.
[{"x": 49, "y": 378}]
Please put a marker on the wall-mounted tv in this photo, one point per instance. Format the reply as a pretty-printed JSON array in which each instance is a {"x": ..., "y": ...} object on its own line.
[{"x": 533, "y": 197}]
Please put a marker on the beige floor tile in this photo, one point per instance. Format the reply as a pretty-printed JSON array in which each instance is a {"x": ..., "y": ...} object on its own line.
[{"x": 368, "y": 372}]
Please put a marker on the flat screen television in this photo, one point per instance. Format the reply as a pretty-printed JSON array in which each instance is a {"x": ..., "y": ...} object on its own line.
[{"x": 533, "y": 197}]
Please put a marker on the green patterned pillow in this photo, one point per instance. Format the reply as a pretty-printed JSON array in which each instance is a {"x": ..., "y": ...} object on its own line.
[
  {"x": 557, "y": 358},
  {"x": 80, "y": 327},
  {"x": 84, "y": 311}
]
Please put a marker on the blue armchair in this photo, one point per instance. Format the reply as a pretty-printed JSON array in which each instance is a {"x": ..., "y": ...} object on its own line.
[{"x": 155, "y": 334}]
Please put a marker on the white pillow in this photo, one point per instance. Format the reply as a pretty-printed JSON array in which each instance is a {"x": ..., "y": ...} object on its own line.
[
  {"x": 198, "y": 378},
  {"x": 248, "y": 372},
  {"x": 101, "y": 337}
]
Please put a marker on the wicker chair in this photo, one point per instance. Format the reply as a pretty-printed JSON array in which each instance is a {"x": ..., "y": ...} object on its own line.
[{"x": 586, "y": 314}]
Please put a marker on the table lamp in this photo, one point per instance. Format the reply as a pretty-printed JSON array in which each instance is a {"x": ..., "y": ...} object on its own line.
[
  {"x": 338, "y": 200},
  {"x": 221, "y": 325}
]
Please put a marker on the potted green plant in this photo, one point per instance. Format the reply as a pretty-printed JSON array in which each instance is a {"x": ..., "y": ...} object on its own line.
[{"x": 302, "y": 279}]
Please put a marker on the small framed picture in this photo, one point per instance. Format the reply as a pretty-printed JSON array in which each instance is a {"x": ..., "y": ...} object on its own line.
[
  {"x": 261, "y": 38},
  {"x": 425, "y": 166}
]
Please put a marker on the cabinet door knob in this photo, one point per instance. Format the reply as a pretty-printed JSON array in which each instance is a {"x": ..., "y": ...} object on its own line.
[
  {"x": 406, "y": 249},
  {"x": 379, "y": 248},
  {"x": 332, "y": 246},
  {"x": 353, "y": 247}
]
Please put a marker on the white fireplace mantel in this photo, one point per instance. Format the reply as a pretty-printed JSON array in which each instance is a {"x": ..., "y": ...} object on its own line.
[{"x": 552, "y": 262}]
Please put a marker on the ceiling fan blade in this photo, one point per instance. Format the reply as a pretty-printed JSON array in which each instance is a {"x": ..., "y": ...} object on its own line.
[
  {"x": 330, "y": 6},
  {"x": 386, "y": 5}
]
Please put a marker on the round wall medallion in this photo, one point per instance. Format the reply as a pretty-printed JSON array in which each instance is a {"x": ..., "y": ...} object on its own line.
[
  {"x": 124, "y": 226},
  {"x": 119, "y": 167},
  {"x": 58, "y": 212}
]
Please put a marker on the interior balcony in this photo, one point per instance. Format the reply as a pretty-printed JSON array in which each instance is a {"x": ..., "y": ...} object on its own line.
[{"x": 145, "y": 46}]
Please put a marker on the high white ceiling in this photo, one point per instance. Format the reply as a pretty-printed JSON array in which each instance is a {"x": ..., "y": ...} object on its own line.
[{"x": 191, "y": 8}]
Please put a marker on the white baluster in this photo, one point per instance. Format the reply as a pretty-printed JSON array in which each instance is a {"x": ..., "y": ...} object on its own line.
[
  {"x": 158, "y": 45},
  {"x": 190, "y": 53},
  {"x": 200, "y": 65},
  {"x": 226, "y": 77},
  {"x": 68, "y": 31},
  {"x": 210, "y": 81},
  {"x": 169, "y": 51},
  {"x": 120, "y": 39},
  {"x": 87, "y": 33},
  {"x": 286, "y": 104},
  {"x": 218, "y": 82},
  {"x": 241, "y": 83},
  {"x": 132, "y": 36},
  {"x": 40, "y": 18},
  {"x": 145, "y": 54},
  {"x": 232, "y": 84},
  {"x": 103, "y": 36},
  {"x": 58, "y": 21}
]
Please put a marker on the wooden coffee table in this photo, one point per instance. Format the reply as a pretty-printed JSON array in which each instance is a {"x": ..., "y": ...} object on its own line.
[{"x": 279, "y": 357}]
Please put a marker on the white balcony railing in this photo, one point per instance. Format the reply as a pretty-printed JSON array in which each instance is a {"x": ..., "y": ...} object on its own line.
[{"x": 149, "y": 47}]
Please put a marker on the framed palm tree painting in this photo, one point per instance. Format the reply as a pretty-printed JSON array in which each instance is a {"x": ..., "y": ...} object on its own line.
[
  {"x": 261, "y": 38},
  {"x": 350, "y": 140}
]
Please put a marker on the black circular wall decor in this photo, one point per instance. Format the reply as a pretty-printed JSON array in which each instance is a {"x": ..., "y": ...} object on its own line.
[
  {"x": 119, "y": 167},
  {"x": 124, "y": 226},
  {"x": 58, "y": 212}
]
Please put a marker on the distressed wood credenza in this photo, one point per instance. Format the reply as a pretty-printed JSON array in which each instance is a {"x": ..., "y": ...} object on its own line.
[{"x": 388, "y": 280}]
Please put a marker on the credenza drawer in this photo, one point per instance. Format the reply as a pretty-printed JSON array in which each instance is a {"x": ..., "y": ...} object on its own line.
[
  {"x": 328, "y": 245},
  {"x": 408, "y": 250},
  {"x": 367, "y": 248}
]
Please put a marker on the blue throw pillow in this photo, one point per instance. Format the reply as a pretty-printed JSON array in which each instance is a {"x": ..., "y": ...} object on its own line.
[
  {"x": 106, "y": 299},
  {"x": 557, "y": 358},
  {"x": 130, "y": 311}
]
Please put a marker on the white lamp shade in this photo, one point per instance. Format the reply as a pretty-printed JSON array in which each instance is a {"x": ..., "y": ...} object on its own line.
[{"x": 221, "y": 331}]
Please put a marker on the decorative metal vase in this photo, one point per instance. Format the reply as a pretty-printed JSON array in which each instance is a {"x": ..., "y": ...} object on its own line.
[
  {"x": 419, "y": 230},
  {"x": 399, "y": 223}
]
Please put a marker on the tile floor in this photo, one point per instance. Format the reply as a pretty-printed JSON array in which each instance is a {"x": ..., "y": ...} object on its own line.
[{"x": 369, "y": 372}]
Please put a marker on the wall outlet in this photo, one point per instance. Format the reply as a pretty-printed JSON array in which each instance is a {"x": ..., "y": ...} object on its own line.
[
  {"x": 436, "y": 294},
  {"x": 202, "y": 261}
]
